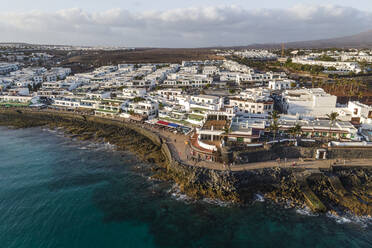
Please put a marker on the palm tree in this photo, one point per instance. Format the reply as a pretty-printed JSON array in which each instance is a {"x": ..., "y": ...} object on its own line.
[
  {"x": 344, "y": 84},
  {"x": 274, "y": 125},
  {"x": 226, "y": 129},
  {"x": 298, "y": 129},
  {"x": 226, "y": 133},
  {"x": 336, "y": 83},
  {"x": 356, "y": 85},
  {"x": 295, "y": 131},
  {"x": 352, "y": 84},
  {"x": 291, "y": 132},
  {"x": 360, "y": 95},
  {"x": 352, "y": 94},
  {"x": 333, "y": 117}
]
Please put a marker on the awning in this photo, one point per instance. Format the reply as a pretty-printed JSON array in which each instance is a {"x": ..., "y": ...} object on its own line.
[
  {"x": 173, "y": 125},
  {"x": 162, "y": 123}
]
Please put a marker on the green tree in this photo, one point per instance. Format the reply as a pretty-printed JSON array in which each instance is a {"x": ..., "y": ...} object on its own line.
[
  {"x": 295, "y": 131},
  {"x": 274, "y": 123},
  {"x": 333, "y": 118},
  {"x": 360, "y": 95},
  {"x": 161, "y": 105},
  {"x": 138, "y": 99}
]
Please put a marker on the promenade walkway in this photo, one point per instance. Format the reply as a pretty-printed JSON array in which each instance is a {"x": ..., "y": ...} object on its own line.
[{"x": 180, "y": 149}]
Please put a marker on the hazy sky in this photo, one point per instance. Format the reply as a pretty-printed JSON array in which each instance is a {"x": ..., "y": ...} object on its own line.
[
  {"x": 172, "y": 23},
  {"x": 137, "y": 5}
]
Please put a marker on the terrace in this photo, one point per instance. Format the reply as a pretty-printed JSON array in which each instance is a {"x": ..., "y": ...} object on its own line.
[{"x": 215, "y": 125}]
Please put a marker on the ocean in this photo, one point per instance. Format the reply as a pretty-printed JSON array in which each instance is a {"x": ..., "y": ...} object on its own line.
[{"x": 59, "y": 192}]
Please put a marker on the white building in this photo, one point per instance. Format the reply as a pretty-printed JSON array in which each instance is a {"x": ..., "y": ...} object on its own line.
[
  {"x": 170, "y": 94},
  {"x": 321, "y": 128},
  {"x": 15, "y": 99},
  {"x": 205, "y": 99},
  {"x": 256, "y": 55},
  {"x": 8, "y": 67},
  {"x": 133, "y": 92},
  {"x": 144, "y": 108},
  {"x": 253, "y": 101},
  {"x": 281, "y": 84},
  {"x": 308, "y": 102},
  {"x": 340, "y": 66},
  {"x": 67, "y": 102},
  {"x": 361, "y": 111},
  {"x": 210, "y": 70}
]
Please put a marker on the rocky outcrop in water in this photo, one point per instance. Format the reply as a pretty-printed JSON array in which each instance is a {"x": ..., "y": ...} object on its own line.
[{"x": 338, "y": 190}]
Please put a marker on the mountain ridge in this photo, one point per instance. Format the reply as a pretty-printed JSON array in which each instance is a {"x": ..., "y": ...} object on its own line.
[{"x": 359, "y": 40}]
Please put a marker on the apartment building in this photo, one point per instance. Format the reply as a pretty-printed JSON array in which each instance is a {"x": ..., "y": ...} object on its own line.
[
  {"x": 8, "y": 67},
  {"x": 252, "y": 101},
  {"x": 308, "y": 102},
  {"x": 145, "y": 108},
  {"x": 170, "y": 94},
  {"x": 340, "y": 66},
  {"x": 281, "y": 84}
]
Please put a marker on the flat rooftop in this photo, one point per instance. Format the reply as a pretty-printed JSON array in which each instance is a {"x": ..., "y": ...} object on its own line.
[{"x": 217, "y": 125}]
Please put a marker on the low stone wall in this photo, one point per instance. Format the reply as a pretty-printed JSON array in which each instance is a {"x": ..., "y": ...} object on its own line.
[
  {"x": 167, "y": 153},
  {"x": 349, "y": 153},
  {"x": 275, "y": 152}
]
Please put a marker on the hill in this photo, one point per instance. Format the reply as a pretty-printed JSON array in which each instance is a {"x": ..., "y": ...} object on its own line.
[{"x": 361, "y": 40}]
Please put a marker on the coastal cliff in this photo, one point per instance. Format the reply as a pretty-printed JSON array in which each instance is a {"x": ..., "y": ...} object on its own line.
[{"x": 338, "y": 189}]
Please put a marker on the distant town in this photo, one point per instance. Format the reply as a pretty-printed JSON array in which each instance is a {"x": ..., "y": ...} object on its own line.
[{"x": 248, "y": 98}]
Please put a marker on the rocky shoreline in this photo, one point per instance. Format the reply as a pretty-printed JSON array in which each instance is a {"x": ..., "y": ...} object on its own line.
[
  {"x": 122, "y": 135},
  {"x": 339, "y": 190},
  {"x": 336, "y": 190}
]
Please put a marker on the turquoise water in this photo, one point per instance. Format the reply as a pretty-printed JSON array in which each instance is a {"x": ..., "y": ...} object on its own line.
[{"x": 56, "y": 192}]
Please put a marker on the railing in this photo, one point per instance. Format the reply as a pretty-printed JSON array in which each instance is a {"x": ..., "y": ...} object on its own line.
[
  {"x": 206, "y": 146},
  {"x": 349, "y": 144}
]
